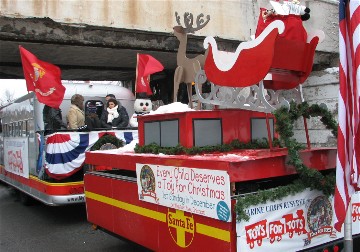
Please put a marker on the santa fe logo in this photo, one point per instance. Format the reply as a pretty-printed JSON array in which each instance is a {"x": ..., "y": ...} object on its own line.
[{"x": 181, "y": 227}]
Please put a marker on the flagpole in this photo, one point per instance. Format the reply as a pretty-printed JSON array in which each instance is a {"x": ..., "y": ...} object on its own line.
[
  {"x": 348, "y": 241},
  {"x": 136, "y": 77}
]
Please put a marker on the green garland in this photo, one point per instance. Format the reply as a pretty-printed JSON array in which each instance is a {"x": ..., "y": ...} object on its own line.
[
  {"x": 308, "y": 178},
  {"x": 107, "y": 138},
  {"x": 178, "y": 150}
]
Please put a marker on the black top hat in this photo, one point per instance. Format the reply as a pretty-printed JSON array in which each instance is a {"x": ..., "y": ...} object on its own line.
[{"x": 142, "y": 95}]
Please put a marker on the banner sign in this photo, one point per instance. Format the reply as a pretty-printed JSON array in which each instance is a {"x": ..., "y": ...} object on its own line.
[
  {"x": 198, "y": 191},
  {"x": 16, "y": 156},
  {"x": 296, "y": 222}
]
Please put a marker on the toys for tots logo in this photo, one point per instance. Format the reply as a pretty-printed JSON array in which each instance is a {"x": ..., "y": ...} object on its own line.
[
  {"x": 181, "y": 227},
  {"x": 319, "y": 217},
  {"x": 147, "y": 181}
]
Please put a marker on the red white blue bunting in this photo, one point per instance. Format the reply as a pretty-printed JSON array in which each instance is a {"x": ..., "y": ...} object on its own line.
[{"x": 65, "y": 152}]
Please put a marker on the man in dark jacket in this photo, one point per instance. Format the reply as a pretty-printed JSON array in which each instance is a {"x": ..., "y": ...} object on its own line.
[{"x": 52, "y": 119}]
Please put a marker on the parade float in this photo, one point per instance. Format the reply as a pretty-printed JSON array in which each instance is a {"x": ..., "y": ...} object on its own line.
[{"x": 232, "y": 178}]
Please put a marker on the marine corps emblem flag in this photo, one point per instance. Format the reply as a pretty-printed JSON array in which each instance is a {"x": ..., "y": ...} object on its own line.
[
  {"x": 146, "y": 65},
  {"x": 43, "y": 78}
]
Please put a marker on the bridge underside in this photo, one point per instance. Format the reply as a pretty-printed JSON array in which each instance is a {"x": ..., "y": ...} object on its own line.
[{"x": 96, "y": 53}]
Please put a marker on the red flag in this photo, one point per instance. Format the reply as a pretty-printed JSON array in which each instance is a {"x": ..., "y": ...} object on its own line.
[
  {"x": 348, "y": 157},
  {"x": 146, "y": 65},
  {"x": 43, "y": 78}
]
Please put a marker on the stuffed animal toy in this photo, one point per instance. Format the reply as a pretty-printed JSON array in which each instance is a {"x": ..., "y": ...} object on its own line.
[
  {"x": 142, "y": 106},
  {"x": 291, "y": 13},
  {"x": 265, "y": 13},
  {"x": 306, "y": 15},
  {"x": 287, "y": 8}
]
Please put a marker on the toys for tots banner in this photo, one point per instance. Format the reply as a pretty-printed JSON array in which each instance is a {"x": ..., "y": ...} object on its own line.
[
  {"x": 16, "y": 156},
  {"x": 198, "y": 191},
  {"x": 296, "y": 222}
]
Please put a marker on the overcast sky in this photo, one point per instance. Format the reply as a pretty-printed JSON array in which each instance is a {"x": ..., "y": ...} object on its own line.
[{"x": 16, "y": 87}]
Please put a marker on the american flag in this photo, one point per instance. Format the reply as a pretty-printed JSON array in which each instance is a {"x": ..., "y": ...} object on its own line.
[{"x": 348, "y": 157}]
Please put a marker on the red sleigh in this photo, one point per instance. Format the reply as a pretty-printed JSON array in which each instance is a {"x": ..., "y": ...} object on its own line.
[{"x": 270, "y": 61}]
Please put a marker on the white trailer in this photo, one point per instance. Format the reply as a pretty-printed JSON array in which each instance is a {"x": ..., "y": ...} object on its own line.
[{"x": 50, "y": 168}]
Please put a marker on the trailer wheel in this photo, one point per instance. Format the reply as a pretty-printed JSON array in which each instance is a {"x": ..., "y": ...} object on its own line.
[{"x": 25, "y": 199}]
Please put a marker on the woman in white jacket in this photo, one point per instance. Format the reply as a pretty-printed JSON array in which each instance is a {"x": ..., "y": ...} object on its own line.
[{"x": 114, "y": 116}]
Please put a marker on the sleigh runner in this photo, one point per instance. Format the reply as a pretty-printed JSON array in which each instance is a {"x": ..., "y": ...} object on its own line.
[{"x": 254, "y": 76}]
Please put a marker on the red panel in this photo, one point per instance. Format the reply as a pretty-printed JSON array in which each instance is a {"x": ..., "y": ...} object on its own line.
[
  {"x": 141, "y": 131},
  {"x": 309, "y": 58},
  {"x": 320, "y": 159},
  {"x": 99, "y": 213},
  {"x": 140, "y": 229},
  {"x": 235, "y": 123},
  {"x": 154, "y": 234},
  {"x": 103, "y": 185},
  {"x": 296, "y": 57},
  {"x": 259, "y": 169},
  {"x": 46, "y": 187},
  {"x": 289, "y": 54},
  {"x": 243, "y": 165},
  {"x": 186, "y": 130}
]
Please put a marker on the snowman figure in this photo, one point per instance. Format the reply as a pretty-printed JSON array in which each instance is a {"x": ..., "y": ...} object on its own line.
[{"x": 142, "y": 106}]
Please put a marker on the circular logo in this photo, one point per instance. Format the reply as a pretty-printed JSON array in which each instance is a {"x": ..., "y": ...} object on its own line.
[
  {"x": 147, "y": 179},
  {"x": 223, "y": 211},
  {"x": 319, "y": 213},
  {"x": 181, "y": 227}
]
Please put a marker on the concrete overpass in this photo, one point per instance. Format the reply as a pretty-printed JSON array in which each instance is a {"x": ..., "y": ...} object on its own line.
[{"x": 99, "y": 40}]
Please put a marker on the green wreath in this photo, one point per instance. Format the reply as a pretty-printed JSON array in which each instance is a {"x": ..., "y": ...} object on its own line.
[{"x": 109, "y": 141}]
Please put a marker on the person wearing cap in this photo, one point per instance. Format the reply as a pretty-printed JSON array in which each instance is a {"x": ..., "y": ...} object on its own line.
[{"x": 110, "y": 96}]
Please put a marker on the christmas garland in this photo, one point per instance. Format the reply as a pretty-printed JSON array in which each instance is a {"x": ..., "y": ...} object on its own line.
[
  {"x": 178, "y": 150},
  {"x": 107, "y": 139},
  {"x": 308, "y": 178}
]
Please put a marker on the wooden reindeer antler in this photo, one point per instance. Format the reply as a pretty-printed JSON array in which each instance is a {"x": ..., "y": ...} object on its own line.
[
  {"x": 187, "y": 68},
  {"x": 189, "y": 21}
]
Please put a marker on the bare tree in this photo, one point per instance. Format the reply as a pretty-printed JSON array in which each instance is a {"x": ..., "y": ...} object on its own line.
[{"x": 7, "y": 97}]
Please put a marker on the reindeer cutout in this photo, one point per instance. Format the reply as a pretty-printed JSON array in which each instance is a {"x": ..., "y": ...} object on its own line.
[{"x": 187, "y": 68}]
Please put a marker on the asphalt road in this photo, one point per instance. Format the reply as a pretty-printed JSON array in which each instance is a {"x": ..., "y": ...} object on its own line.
[{"x": 43, "y": 228}]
